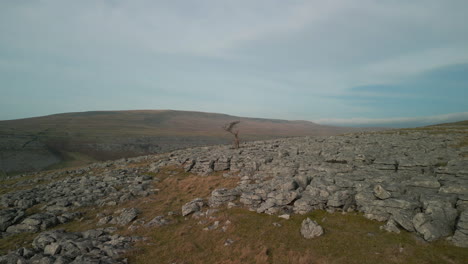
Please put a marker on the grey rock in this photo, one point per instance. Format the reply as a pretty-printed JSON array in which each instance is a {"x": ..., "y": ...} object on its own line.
[
  {"x": 461, "y": 189},
  {"x": 303, "y": 180},
  {"x": 304, "y": 205},
  {"x": 158, "y": 221},
  {"x": 424, "y": 181},
  {"x": 228, "y": 242},
  {"x": 63, "y": 260},
  {"x": 460, "y": 237},
  {"x": 438, "y": 220},
  {"x": 192, "y": 206},
  {"x": 341, "y": 198},
  {"x": 222, "y": 196},
  {"x": 12, "y": 258},
  {"x": 285, "y": 198},
  {"x": 310, "y": 229},
  {"x": 9, "y": 217},
  {"x": 52, "y": 249},
  {"x": 25, "y": 252},
  {"x": 269, "y": 203},
  {"x": 222, "y": 164},
  {"x": 23, "y": 228},
  {"x": 104, "y": 220},
  {"x": 126, "y": 216},
  {"x": 381, "y": 193},
  {"x": 404, "y": 219},
  {"x": 390, "y": 226},
  {"x": 92, "y": 246}
]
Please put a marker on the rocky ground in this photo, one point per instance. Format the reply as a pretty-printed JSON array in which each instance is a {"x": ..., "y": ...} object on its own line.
[{"x": 412, "y": 180}]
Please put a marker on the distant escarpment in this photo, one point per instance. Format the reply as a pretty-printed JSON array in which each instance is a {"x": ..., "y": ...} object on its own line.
[{"x": 77, "y": 138}]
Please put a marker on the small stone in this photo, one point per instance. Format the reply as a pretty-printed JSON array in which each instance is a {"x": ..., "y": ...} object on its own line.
[
  {"x": 285, "y": 216},
  {"x": 310, "y": 229},
  {"x": 104, "y": 220},
  {"x": 390, "y": 226},
  {"x": 52, "y": 249},
  {"x": 381, "y": 193},
  {"x": 228, "y": 242},
  {"x": 158, "y": 221}
]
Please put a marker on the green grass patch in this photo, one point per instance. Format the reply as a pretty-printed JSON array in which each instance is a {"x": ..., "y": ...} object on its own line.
[{"x": 349, "y": 238}]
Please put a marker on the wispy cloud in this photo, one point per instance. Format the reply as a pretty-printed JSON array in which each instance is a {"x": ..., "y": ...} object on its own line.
[
  {"x": 295, "y": 59},
  {"x": 395, "y": 122}
]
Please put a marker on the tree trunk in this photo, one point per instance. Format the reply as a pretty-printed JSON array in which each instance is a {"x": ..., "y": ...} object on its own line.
[{"x": 236, "y": 140}]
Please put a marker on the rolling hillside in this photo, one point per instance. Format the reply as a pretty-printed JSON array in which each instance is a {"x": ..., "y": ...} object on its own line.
[{"x": 76, "y": 138}]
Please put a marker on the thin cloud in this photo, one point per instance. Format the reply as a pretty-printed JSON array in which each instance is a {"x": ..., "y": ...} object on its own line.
[
  {"x": 395, "y": 122},
  {"x": 288, "y": 59}
]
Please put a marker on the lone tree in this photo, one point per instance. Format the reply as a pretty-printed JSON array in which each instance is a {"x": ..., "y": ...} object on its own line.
[{"x": 229, "y": 128}]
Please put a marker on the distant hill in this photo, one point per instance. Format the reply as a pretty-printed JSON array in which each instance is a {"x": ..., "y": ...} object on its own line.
[{"x": 75, "y": 138}]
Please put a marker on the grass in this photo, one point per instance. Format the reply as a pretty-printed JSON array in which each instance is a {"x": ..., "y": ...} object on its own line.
[
  {"x": 348, "y": 238},
  {"x": 72, "y": 159}
]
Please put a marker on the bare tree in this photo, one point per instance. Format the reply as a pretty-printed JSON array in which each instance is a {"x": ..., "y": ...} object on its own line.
[{"x": 229, "y": 128}]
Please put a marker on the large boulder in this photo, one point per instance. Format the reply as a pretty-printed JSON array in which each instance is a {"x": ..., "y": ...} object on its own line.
[
  {"x": 438, "y": 220},
  {"x": 221, "y": 196},
  {"x": 310, "y": 229}
]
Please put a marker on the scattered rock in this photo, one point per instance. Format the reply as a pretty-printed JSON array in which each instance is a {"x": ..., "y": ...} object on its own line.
[
  {"x": 126, "y": 216},
  {"x": 192, "y": 206},
  {"x": 310, "y": 229},
  {"x": 228, "y": 242},
  {"x": 104, "y": 220},
  {"x": 158, "y": 221}
]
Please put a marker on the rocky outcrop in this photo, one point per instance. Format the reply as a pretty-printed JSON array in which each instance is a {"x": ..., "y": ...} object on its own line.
[{"x": 412, "y": 180}]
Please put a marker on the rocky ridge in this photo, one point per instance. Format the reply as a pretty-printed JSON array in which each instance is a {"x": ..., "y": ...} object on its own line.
[{"x": 413, "y": 180}]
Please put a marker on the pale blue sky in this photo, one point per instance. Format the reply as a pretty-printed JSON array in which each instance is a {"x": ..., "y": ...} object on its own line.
[{"x": 361, "y": 62}]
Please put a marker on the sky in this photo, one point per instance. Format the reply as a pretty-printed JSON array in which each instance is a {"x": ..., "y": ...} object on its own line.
[{"x": 341, "y": 62}]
